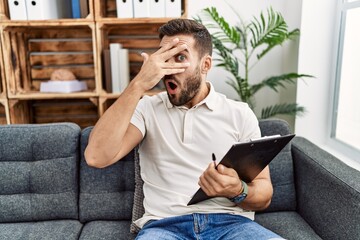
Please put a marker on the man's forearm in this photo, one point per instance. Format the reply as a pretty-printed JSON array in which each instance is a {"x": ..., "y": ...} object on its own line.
[
  {"x": 105, "y": 142},
  {"x": 259, "y": 196},
  {"x": 106, "y": 137}
]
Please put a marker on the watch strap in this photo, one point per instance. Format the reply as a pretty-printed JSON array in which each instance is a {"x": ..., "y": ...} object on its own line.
[{"x": 241, "y": 197}]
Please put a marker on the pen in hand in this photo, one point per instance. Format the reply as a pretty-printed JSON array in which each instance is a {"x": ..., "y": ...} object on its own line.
[{"x": 214, "y": 160}]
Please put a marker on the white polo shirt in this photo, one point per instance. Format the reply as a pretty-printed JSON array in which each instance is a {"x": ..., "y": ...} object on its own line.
[{"x": 178, "y": 145}]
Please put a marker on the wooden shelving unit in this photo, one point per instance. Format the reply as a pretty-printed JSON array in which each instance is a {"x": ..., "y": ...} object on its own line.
[
  {"x": 4, "y": 106},
  {"x": 4, "y": 112},
  {"x": 32, "y": 50}
]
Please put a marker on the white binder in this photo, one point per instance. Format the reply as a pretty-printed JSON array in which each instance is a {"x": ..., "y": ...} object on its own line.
[
  {"x": 17, "y": 10},
  {"x": 124, "y": 68},
  {"x": 141, "y": 8},
  {"x": 157, "y": 8},
  {"x": 173, "y": 8},
  {"x": 115, "y": 67},
  {"x": 125, "y": 8},
  {"x": 48, "y": 9}
]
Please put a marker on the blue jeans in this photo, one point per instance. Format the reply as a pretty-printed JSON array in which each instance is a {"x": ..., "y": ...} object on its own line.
[{"x": 205, "y": 227}]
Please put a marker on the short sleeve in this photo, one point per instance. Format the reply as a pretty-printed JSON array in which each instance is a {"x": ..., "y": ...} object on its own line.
[
  {"x": 250, "y": 127},
  {"x": 138, "y": 118}
]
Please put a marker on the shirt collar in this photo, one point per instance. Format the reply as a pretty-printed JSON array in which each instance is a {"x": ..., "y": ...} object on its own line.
[{"x": 210, "y": 100}]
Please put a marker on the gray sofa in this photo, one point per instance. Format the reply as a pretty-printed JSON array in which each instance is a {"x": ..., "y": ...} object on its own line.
[{"x": 48, "y": 192}]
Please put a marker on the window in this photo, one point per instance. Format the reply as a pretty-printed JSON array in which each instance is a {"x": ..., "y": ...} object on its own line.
[
  {"x": 322, "y": 53},
  {"x": 346, "y": 115}
]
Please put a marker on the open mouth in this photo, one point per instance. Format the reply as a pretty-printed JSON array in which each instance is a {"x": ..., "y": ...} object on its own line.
[{"x": 171, "y": 86}]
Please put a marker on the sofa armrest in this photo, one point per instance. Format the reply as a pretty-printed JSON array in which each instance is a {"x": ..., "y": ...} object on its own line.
[{"x": 328, "y": 191}]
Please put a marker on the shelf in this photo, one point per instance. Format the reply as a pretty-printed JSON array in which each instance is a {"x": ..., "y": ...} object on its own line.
[
  {"x": 130, "y": 21},
  {"x": 107, "y": 99},
  {"x": 41, "y": 95},
  {"x": 116, "y": 95},
  {"x": 83, "y": 112},
  {"x": 47, "y": 23},
  {"x": 47, "y": 49}
]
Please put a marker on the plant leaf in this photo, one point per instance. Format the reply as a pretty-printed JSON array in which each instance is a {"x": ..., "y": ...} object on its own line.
[
  {"x": 230, "y": 32},
  {"x": 293, "y": 34},
  {"x": 285, "y": 108},
  {"x": 277, "y": 81},
  {"x": 271, "y": 32},
  {"x": 227, "y": 59}
]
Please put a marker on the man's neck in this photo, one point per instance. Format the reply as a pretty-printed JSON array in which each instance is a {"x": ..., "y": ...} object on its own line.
[{"x": 201, "y": 95}]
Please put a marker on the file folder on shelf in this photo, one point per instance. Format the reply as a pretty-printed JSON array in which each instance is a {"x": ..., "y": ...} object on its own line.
[
  {"x": 124, "y": 68},
  {"x": 173, "y": 8},
  {"x": 84, "y": 8},
  {"x": 107, "y": 71},
  {"x": 75, "y": 6},
  {"x": 48, "y": 9},
  {"x": 157, "y": 8},
  {"x": 115, "y": 71},
  {"x": 18, "y": 10},
  {"x": 141, "y": 8},
  {"x": 120, "y": 76},
  {"x": 125, "y": 8}
]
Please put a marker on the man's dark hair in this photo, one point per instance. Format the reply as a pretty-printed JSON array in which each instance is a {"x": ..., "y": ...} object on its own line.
[{"x": 189, "y": 27}]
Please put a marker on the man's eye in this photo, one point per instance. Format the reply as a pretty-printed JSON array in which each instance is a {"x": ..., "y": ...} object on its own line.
[{"x": 180, "y": 58}]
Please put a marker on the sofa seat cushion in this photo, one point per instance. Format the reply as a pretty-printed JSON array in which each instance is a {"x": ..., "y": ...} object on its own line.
[
  {"x": 289, "y": 225},
  {"x": 39, "y": 172},
  {"x": 107, "y": 193},
  {"x": 55, "y": 230},
  {"x": 281, "y": 169},
  {"x": 109, "y": 230}
]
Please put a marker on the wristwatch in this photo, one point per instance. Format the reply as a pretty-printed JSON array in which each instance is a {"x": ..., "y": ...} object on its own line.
[{"x": 241, "y": 197}]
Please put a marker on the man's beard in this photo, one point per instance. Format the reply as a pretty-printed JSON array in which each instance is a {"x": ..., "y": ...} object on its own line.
[{"x": 191, "y": 88}]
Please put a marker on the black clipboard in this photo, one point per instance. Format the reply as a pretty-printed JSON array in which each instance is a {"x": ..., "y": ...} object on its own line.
[{"x": 249, "y": 159}]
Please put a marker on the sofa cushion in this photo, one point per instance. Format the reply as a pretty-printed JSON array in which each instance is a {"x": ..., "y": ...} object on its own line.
[
  {"x": 55, "y": 230},
  {"x": 109, "y": 230},
  {"x": 328, "y": 191},
  {"x": 108, "y": 193},
  {"x": 289, "y": 225},
  {"x": 138, "y": 206},
  {"x": 39, "y": 172},
  {"x": 281, "y": 169}
]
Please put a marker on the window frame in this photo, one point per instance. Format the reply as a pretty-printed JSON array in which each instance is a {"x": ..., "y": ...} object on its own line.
[{"x": 338, "y": 145}]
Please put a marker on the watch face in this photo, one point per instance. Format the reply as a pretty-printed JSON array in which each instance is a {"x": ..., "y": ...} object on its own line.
[{"x": 239, "y": 199}]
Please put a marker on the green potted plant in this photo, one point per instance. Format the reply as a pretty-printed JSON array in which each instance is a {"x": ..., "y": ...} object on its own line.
[{"x": 241, "y": 47}]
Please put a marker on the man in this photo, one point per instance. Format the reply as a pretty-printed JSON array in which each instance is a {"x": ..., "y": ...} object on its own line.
[{"x": 178, "y": 130}]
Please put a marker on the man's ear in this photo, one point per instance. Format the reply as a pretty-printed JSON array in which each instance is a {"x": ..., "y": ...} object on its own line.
[{"x": 206, "y": 65}]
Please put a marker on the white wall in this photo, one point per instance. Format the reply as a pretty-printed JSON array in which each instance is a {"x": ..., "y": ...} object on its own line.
[
  {"x": 317, "y": 44},
  {"x": 278, "y": 61},
  {"x": 317, "y": 51}
]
